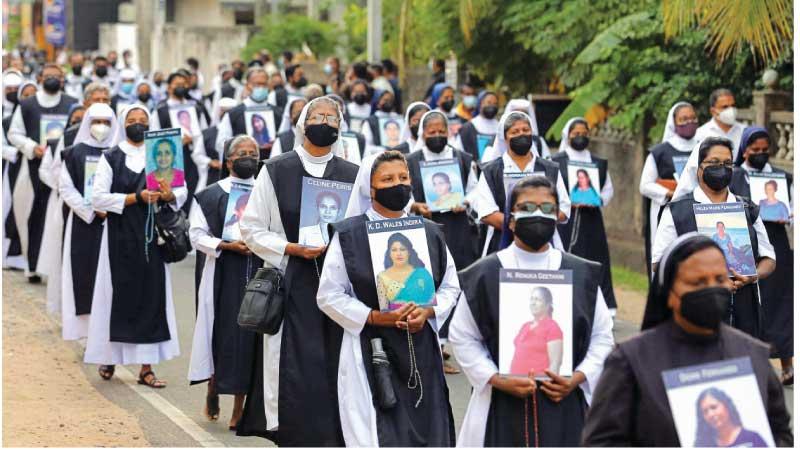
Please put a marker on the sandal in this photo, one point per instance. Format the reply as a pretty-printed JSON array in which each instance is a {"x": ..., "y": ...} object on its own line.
[
  {"x": 787, "y": 376},
  {"x": 106, "y": 371},
  {"x": 154, "y": 382},
  {"x": 212, "y": 407}
]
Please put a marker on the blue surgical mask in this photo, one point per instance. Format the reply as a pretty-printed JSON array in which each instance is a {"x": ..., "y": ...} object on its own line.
[
  {"x": 327, "y": 69},
  {"x": 127, "y": 88},
  {"x": 259, "y": 94},
  {"x": 470, "y": 101}
]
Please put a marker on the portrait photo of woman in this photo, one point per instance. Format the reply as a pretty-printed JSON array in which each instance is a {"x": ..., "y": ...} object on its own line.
[
  {"x": 446, "y": 199},
  {"x": 260, "y": 130},
  {"x": 329, "y": 207},
  {"x": 773, "y": 209},
  {"x": 405, "y": 278},
  {"x": 539, "y": 344},
  {"x": 391, "y": 130},
  {"x": 164, "y": 154},
  {"x": 583, "y": 193},
  {"x": 719, "y": 423}
]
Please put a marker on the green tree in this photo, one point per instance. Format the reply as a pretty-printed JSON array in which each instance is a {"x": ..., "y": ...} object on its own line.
[{"x": 289, "y": 32}]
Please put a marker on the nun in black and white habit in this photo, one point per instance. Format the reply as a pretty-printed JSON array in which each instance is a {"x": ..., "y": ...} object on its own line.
[
  {"x": 222, "y": 352},
  {"x": 133, "y": 316},
  {"x": 292, "y": 390},
  {"x": 495, "y": 417},
  {"x": 84, "y": 226},
  {"x": 347, "y": 294}
]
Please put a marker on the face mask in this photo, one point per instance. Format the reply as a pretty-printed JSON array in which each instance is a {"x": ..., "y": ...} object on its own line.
[
  {"x": 717, "y": 177},
  {"x": 158, "y": 83},
  {"x": 127, "y": 88},
  {"x": 521, "y": 145},
  {"x": 99, "y": 131},
  {"x": 686, "y": 130},
  {"x": 394, "y": 198},
  {"x": 448, "y": 105},
  {"x": 414, "y": 129},
  {"x": 728, "y": 116},
  {"x": 302, "y": 82},
  {"x": 579, "y": 142},
  {"x": 758, "y": 160},
  {"x": 470, "y": 101},
  {"x": 51, "y": 85},
  {"x": 436, "y": 143},
  {"x": 77, "y": 70},
  {"x": 387, "y": 107},
  {"x": 144, "y": 98},
  {"x": 535, "y": 231},
  {"x": 12, "y": 97},
  {"x": 180, "y": 92},
  {"x": 706, "y": 308},
  {"x": 101, "y": 71},
  {"x": 238, "y": 74},
  {"x": 135, "y": 132},
  {"x": 490, "y": 112},
  {"x": 322, "y": 134},
  {"x": 245, "y": 167},
  {"x": 327, "y": 69},
  {"x": 259, "y": 94},
  {"x": 360, "y": 99}
]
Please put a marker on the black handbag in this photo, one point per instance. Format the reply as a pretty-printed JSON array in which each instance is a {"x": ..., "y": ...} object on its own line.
[
  {"x": 262, "y": 306},
  {"x": 173, "y": 234}
]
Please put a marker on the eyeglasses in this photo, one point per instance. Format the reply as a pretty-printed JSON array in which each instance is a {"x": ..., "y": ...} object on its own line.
[
  {"x": 318, "y": 118},
  {"x": 529, "y": 207},
  {"x": 715, "y": 162}
]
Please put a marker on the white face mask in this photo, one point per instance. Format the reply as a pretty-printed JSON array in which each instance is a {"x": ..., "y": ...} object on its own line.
[
  {"x": 99, "y": 131},
  {"x": 727, "y": 116}
]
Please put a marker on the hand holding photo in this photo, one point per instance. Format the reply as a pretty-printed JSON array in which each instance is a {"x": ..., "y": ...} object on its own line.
[
  {"x": 163, "y": 158},
  {"x": 401, "y": 262},
  {"x": 51, "y": 127},
  {"x": 770, "y": 191},
  {"x": 237, "y": 202},
  {"x": 584, "y": 183},
  {"x": 442, "y": 184},
  {"x": 726, "y": 224},
  {"x": 322, "y": 202},
  {"x": 535, "y": 322}
]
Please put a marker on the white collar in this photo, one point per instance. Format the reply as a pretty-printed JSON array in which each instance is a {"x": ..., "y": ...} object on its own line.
[
  {"x": 578, "y": 154},
  {"x": 374, "y": 215},
  {"x": 509, "y": 163},
  {"x": 171, "y": 101},
  {"x": 701, "y": 196},
  {"x": 767, "y": 168},
  {"x": 250, "y": 102},
  {"x": 682, "y": 145},
  {"x": 226, "y": 182},
  {"x": 513, "y": 257},
  {"x": 447, "y": 153},
  {"x": 130, "y": 149},
  {"x": 712, "y": 124},
  {"x": 47, "y": 100},
  {"x": 482, "y": 124},
  {"x": 304, "y": 155}
]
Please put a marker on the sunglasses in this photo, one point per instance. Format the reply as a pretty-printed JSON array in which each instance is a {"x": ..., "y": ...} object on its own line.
[{"x": 530, "y": 207}]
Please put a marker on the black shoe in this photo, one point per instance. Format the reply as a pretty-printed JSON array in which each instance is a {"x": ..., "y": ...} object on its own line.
[{"x": 34, "y": 279}]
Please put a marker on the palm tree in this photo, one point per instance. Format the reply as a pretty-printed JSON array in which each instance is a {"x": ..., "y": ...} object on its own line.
[{"x": 763, "y": 25}]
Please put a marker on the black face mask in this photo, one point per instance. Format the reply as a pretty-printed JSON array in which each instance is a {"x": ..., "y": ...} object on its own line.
[
  {"x": 322, "y": 134},
  {"x": 535, "y": 231},
  {"x": 579, "y": 142},
  {"x": 77, "y": 70},
  {"x": 394, "y": 198},
  {"x": 758, "y": 160},
  {"x": 51, "y": 85},
  {"x": 707, "y": 307},
  {"x": 436, "y": 143},
  {"x": 717, "y": 177},
  {"x": 135, "y": 132},
  {"x": 245, "y": 167},
  {"x": 521, "y": 145},
  {"x": 101, "y": 71},
  {"x": 158, "y": 83},
  {"x": 301, "y": 83},
  {"x": 144, "y": 98},
  {"x": 414, "y": 129},
  {"x": 180, "y": 92},
  {"x": 448, "y": 105},
  {"x": 238, "y": 74},
  {"x": 12, "y": 97},
  {"x": 387, "y": 107},
  {"x": 490, "y": 112},
  {"x": 360, "y": 99}
]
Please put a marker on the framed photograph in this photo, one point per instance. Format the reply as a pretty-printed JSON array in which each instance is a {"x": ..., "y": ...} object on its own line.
[
  {"x": 401, "y": 262},
  {"x": 51, "y": 127},
  {"x": 322, "y": 202},
  {"x": 349, "y": 150},
  {"x": 356, "y": 123},
  {"x": 679, "y": 163},
  {"x": 185, "y": 117},
  {"x": 89, "y": 169},
  {"x": 453, "y": 127},
  {"x": 391, "y": 129},
  {"x": 770, "y": 191},
  {"x": 163, "y": 158},
  {"x": 441, "y": 182},
  {"x": 535, "y": 322},
  {"x": 234, "y": 210},
  {"x": 726, "y": 224},
  {"x": 584, "y": 183},
  {"x": 708, "y": 401},
  {"x": 510, "y": 179},
  {"x": 260, "y": 124},
  {"x": 484, "y": 140}
]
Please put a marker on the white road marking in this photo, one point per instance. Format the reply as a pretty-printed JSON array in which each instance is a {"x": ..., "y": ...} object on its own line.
[{"x": 203, "y": 437}]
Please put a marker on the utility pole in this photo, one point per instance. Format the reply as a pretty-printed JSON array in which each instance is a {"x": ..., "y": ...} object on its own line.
[{"x": 374, "y": 30}]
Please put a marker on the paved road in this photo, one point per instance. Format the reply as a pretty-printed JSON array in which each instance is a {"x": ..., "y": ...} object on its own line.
[{"x": 162, "y": 431}]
